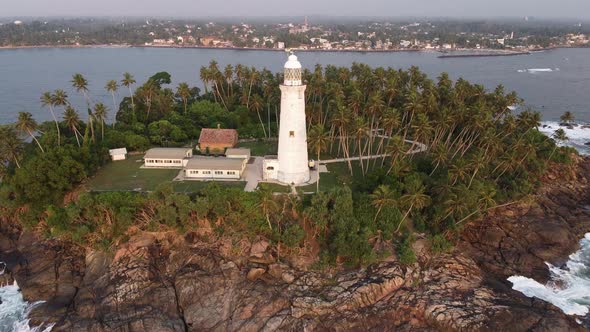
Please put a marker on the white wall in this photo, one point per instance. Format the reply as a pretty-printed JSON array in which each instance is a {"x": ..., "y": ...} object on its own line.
[
  {"x": 202, "y": 174},
  {"x": 293, "y": 159},
  {"x": 116, "y": 157},
  {"x": 164, "y": 163}
]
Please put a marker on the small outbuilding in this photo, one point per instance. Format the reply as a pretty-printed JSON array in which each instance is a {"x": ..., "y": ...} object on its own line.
[
  {"x": 118, "y": 154},
  {"x": 167, "y": 157},
  {"x": 217, "y": 140},
  {"x": 214, "y": 168},
  {"x": 237, "y": 153}
]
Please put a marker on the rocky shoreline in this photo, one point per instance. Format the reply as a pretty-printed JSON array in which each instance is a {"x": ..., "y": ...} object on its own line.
[{"x": 165, "y": 282}]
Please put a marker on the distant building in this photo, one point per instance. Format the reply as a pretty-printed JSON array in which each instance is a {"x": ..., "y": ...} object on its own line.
[
  {"x": 118, "y": 154},
  {"x": 281, "y": 45},
  {"x": 167, "y": 157},
  {"x": 214, "y": 168},
  {"x": 217, "y": 140}
]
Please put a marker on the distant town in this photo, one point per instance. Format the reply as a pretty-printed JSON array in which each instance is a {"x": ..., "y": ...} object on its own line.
[{"x": 516, "y": 35}]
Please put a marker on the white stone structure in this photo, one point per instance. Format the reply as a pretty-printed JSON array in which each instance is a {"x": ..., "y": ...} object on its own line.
[
  {"x": 293, "y": 167},
  {"x": 118, "y": 154}
]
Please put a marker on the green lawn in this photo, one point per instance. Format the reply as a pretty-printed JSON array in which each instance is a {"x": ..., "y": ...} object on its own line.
[
  {"x": 260, "y": 148},
  {"x": 339, "y": 175},
  {"x": 126, "y": 175}
]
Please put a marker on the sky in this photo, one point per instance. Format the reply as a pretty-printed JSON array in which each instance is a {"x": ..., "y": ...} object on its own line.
[{"x": 258, "y": 8}]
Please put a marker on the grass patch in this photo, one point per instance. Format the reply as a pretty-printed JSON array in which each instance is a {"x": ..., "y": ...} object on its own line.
[
  {"x": 339, "y": 175},
  {"x": 261, "y": 148},
  {"x": 126, "y": 175}
]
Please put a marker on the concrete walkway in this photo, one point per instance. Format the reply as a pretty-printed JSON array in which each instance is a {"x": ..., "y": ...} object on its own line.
[
  {"x": 418, "y": 147},
  {"x": 253, "y": 174}
]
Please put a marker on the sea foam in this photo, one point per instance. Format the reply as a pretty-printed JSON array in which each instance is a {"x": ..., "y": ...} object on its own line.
[
  {"x": 14, "y": 311},
  {"x": 578, "y": 136},
  {"x": 569, "y": 287}
]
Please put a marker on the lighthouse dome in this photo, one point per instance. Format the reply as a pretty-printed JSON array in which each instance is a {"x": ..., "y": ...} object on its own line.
[
  {"x": 292, "y": 62},
  {"x": 293, "y": 71}
]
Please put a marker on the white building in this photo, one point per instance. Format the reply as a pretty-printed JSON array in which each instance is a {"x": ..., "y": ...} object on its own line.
[
  {"x": 214, "y": 168},
  {"x": 118, "y": 154},
  {"x": 293, "y": 165},
  {"x": 167, "y": 157},
  {"x": 237, "y": 153}
]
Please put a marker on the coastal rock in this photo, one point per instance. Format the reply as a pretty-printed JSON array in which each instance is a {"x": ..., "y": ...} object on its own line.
[{"x": 167, "y": 282}]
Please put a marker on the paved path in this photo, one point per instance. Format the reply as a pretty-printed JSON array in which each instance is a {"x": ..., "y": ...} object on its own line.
[{"x": 418, "y": 147}]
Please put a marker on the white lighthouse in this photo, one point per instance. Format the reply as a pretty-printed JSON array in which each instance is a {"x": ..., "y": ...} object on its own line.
[{"x": 293, "y": 165}]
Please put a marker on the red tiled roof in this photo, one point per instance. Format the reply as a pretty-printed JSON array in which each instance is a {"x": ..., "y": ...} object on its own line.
[{"x": 218, "y": 136}]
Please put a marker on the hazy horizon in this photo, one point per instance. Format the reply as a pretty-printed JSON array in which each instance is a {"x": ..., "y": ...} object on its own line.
[{"x": 542, "y": 9}]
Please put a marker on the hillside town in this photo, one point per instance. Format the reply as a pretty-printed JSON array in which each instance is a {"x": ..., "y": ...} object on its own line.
[{"x": 300, "y": 33}]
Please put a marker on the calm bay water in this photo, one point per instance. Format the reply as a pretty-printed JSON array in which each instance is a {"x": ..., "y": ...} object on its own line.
[{"x": 26, "y": 73}]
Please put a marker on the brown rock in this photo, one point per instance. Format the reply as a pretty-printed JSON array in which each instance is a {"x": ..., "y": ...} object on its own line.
[{"x": 255, "y": 273}]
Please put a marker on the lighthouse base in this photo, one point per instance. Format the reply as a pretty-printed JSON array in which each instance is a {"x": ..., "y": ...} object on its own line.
[{"x": 294, "y": 178}]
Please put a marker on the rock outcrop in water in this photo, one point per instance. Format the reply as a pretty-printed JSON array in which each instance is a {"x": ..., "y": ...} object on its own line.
[{"x": 165, "y": 282}]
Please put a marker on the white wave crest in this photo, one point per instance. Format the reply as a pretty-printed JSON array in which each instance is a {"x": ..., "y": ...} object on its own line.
[
  {"x": 537, "y": 70},
  {"x": 578, "y": 136},
  {"x": 569, "y": 288},
  {"x": 14, "y": 310}
]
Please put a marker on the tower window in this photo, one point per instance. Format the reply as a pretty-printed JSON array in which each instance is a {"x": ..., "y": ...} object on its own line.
[{"x": 291, "y": 133}]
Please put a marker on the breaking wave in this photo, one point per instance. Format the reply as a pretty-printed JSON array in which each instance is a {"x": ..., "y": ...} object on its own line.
[
  {"x": 578, "y": 136},
  {"x": 537, "y": 70},
  {"x": 569, "y": 287},
  {"x": 14, "y": 310}
]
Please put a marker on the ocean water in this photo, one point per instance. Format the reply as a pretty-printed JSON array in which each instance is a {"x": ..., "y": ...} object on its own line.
[
  {"x": 569, "y": 287},
  {"x": 14, "y": 310},
  {"x": 550, "y": 82}
]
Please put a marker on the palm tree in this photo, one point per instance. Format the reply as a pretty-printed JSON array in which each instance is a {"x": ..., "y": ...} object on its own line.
[
  {"x": 11, "y": 146},
  {"x": 382, "y": 196},
  {"x": 257, "y": 104},
  {"x": 72, "y": 120},
  {"x": 184, "y": 92},
  {"x": 80, "y": 83},
  {"x": 101, "y": 112},
  {"x": 112, "y": 86},
  {"x": 27, "y": 124},
  {"x": 559, "y": 136},
  {"x": 47, "y": 100},
  {"x": 567, "y": 117},
  {"x": 267, "y": 203},
  {"x": 414, "y": 198},
  {"x": 318, "y": 140},
  {"x": 128, "y": 81}
]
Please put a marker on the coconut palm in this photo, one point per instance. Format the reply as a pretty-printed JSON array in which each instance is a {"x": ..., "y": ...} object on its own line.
[
  {"x": 414, "y": 198},
  {"x": 47, "y": 100},
  {"x": 184, "y": 92},
  {"x": 72, "y": 120},
  {"x": 80, "y": 83},
  {"x": 27, "y": 124},
  {"x": 318, "y": 140},
  {"x": 267, "y": 203},
  {"x": 100, "y": 113},
  {"x": 127, "y": 82},
  {"x": 11, "y": 146},
  {"x": 381, "y": 197},
  {"x": 567, "y": 117},
  {"x": 257, "y": 104},
  {"x": 112, "y": 86}
]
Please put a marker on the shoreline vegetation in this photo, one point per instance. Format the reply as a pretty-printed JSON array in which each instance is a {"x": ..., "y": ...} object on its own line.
[
  {"x": 369, "y": 208},
  {"x": 458, "y": 53}
]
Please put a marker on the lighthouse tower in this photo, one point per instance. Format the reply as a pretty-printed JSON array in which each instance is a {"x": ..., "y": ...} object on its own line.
[{"x": 292, "y": 157}]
